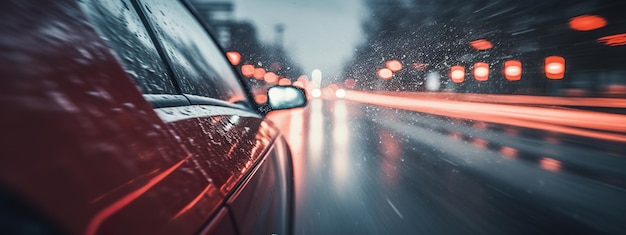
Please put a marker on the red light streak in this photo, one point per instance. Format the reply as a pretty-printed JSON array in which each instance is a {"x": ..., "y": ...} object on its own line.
[
  {"x": 419, "y": 66},
  {"x": 393, "y": 152},
  {"x": 195, "y": 200},
  {"x": 574, "y": 122},
  {"x": 516, "y": 99},
  {"x": 511, "y": 131},
  {"x": 550, "y": 164},
  {"x": 481, "y": 143},
  {"x": 105, "y": 213},
  {"x": 614, "y": 40},
  {"x": 552, "y": 140},
  {"x": 481, "y": 44},
  {"x": 508, "y": 152},
  {"x": 480, "y": 125},
  {"x": 291, "y": 123}
]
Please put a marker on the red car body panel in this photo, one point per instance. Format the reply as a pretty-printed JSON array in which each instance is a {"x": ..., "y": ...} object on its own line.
[{"x": 81, "y": 144}]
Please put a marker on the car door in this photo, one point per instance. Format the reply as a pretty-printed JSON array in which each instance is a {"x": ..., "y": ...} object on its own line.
[
  {"x": 239, "y": 149},
  {"x": 81, "y": 150},
  {"x": 179, "y": 149},
  {"x": 239, "y": 153}
]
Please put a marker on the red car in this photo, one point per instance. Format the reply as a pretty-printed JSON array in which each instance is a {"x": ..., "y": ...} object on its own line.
[{"x": 124, "y": 117}]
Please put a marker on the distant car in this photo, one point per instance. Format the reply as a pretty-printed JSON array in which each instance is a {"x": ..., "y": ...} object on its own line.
[{"x": 124, "y": 117}]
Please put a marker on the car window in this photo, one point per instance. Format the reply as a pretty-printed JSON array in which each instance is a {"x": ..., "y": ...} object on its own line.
[
  {"x": 196, "y": 61},
  {"x": 120, "y": 26}
]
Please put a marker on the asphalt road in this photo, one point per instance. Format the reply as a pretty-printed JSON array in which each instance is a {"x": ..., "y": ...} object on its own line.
[{"x": 363, "y": 169}]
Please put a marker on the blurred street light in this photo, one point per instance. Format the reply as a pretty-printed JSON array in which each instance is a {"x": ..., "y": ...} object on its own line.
[
  {"x": 513, "y": 70},
  {"x": 481, "y": 44},
  {"x": 433, "y": 81},
  {"x": 614, "y": 40},
  {"x": 259, "y": 73},
  {"x": 284, "y": 82},
  {"x": 316, "y": 78},
  {"x": 457, "y": 74},
  {"x": 340, "y": 93},
  {"x": 270, "y": 78},
  {"x": 587, "y": 22},
  {"x": 247, "y": 70},
  {"x": 481, "y": 71},
  {"x": 394, "y": 65},
  {"x": 385, "y": 73},
  {"x": 555, "y": 67},
  {"x": 316, "y": 93},
  {"x": 234, "y": 57}
]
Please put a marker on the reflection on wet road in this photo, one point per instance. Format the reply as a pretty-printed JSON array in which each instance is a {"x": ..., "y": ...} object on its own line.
[{"x": 364, "y": 169}]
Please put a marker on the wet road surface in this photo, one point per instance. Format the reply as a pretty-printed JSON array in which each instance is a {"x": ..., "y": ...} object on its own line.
[{"x": 364, "y": 169}]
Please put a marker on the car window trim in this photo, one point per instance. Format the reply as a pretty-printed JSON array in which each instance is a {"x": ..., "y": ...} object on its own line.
[
  {"x": 166, "y": 100},
  {"x": 248, "y": 93},
  {"x": 175, "y": 114},
  {"x": 157, "y": 44},
  {"x": 203, "y": 100}
]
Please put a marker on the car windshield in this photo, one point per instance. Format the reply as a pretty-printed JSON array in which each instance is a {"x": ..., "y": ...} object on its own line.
[{"x": 443, "y": 116}]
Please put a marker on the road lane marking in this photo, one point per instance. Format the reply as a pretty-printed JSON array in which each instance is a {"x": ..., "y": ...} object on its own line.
[{"x": 394, "y": 208}]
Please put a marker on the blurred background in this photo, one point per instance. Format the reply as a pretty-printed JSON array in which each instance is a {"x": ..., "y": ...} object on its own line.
[
  {"x": 443, "y": 116},
  {"x": 351, "y": 41}
]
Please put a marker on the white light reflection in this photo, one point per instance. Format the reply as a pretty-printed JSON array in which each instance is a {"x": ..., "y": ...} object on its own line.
[
  {"x": 316, "y": 93},
  {"x": 392, "y": 155},
  {"x": 316, "y": 133},
  {"x": 554, "y": 68},
  {"x": 316, "y": 77},
  {"x": 550, "y": 164},
  {"x": 296, "y": 142},
  {"x": 295, "y": 132},
  {"x": 433, "y": 81},
  {"x": 340, "y": 93},
  {"x": 340, "y": 159}
]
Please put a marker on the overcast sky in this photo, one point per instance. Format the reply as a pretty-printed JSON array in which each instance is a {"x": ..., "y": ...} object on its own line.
[{"x": 318, "y": 34}]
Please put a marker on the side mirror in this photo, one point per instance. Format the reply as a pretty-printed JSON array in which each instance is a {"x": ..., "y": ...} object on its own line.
[{"x": 284, "y": 97}]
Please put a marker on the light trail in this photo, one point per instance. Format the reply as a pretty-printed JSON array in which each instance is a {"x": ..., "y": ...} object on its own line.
[
  {"x": 515, "y": 99},
  {"x": 598, "y": 125},
  {"x": 111, "y": 209}
]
